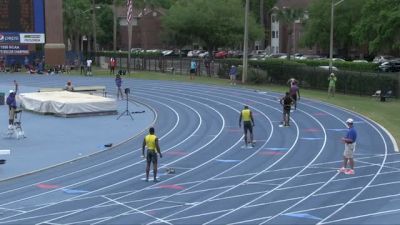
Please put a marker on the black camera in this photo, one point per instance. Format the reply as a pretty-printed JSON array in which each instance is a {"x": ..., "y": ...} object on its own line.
[{"x": 127, "y": 91}]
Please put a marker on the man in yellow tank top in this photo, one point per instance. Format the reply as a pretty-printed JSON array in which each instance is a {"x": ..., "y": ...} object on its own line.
[
  {"x": 248, "y": 123},
  {"x": 151, "y": 141}
]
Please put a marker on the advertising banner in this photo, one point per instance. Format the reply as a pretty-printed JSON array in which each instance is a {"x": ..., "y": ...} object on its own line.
[
  {"x": 10, "y": 49},
  {"x": 7, "y": 37},
  {"x": 31, "y": 38}
]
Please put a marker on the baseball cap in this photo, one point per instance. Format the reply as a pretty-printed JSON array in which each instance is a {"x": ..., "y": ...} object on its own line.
[
  {"x": 332, "y": 74},
  {"x": 11, "y": 91},
  {"x": 349, "y": 120}
]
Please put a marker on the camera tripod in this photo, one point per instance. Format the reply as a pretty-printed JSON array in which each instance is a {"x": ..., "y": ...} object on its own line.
[{"x": 126, "y": 112}]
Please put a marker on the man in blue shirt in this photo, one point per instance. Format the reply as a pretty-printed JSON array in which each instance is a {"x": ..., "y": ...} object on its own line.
[
  {"x": 193, "y": 67},
  {"x": 349, "y": 145}
]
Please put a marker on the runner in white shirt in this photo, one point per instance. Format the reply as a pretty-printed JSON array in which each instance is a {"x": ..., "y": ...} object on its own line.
[{"x": 89, "y": 67}]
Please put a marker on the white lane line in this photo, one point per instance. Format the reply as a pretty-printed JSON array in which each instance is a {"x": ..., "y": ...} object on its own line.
[
  {"x": 244, "y": 160},
  {"x": 381, "y": 137},
  {"x": 369, "y": 121},
  {"x": 366, "y": 186},
  {"x": 12, "y": 210},
  {"x": 85, "y": 221},
  {"x": 361, "y": 216},
  {"x": 383, "y": 161},
  {"x": 171, "y": 163},
  {"x": 82, "y": 170},
  {"x": 376, "y": 164},
  {"x": 302, "y": 200},
  {"x": 136, "y": 210},
  {"x": 111, "y": 172},
  {"x": 223, "y": 152},
  {"x": 285, "y": 182},
  {"x": 372, "y": 126}
]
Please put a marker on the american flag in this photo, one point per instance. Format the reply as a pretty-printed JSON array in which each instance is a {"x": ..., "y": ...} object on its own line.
[{"x": 129, "y": 6}]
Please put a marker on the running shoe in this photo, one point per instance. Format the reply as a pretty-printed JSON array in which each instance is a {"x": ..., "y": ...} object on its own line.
[
  {"x": 349, "y": 172},
  {"x": 342, "y": 170}
]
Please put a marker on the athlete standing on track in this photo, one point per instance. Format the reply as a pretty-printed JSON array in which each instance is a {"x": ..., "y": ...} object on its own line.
[
  {"x": 295, "y": 93},
  {"x": 151, "y": 141},
  {"x": 287, "y": 103},
  {"x": 248, "y": 123},
  {"x": 349, "y": 146}
]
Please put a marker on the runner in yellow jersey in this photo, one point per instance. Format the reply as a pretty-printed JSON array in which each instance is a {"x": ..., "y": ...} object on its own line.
[
  {"x": 248, "y": 123},
  {"x": 151, "y": 141}
]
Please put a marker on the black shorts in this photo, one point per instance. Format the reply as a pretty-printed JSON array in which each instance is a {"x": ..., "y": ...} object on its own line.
[
  {"x": 294, "y": 97},
  {"x": 192, "y": 70},
  {"x": 151, "y": 156},
  {"x": 247, "y": 127}
]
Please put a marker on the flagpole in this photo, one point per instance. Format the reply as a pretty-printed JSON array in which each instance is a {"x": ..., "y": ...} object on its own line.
[
  {"x": 129, "y": 45},
  {"x": 129, "y": 16}
]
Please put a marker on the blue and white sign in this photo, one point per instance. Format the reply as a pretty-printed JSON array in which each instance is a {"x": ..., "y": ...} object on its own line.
[
  {"x": 6, "y": 37},
  {"x": 10, "y": 49}
]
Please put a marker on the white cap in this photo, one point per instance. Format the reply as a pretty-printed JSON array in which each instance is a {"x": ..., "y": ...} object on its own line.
[
  {"x": 332, "y": 74},
  {"x": 349, "y": 120},
  {"x": 11, "y": 91}
]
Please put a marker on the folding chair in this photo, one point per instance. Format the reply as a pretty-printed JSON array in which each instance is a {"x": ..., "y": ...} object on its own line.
[
  {"x": 377, "y": 94},
  {"x": 388, "y": 94}
]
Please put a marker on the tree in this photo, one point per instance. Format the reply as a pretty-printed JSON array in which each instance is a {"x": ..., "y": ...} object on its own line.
[
  {"x": 317, "y": 29},
  {"x": 214, "y": 24},
  {"x": 105, "y": 24},
  {"x": 77, "y": 22},
  {"x": 379, "y": 26},
  {"x": 287, "y": 16}
]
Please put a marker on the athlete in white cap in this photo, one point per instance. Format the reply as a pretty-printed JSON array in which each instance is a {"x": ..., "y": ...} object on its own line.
[{"x": 349, "y": 145}]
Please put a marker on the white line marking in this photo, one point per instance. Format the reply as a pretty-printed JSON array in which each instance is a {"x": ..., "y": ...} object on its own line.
[{"x": 134, "y": 209}]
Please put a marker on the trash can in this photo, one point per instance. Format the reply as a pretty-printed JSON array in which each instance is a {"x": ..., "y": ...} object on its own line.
[{"x": 2, "y": 97}]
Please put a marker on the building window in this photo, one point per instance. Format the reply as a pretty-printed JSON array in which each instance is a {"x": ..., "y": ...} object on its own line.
[
  {"x": 277, "y": 34},
  {"x": 273, "y": 34},
  {"x": 273, "y": 18}
]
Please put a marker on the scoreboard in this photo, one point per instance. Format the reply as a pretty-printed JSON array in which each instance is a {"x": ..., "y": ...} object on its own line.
[{"x": 22, "y": 16}]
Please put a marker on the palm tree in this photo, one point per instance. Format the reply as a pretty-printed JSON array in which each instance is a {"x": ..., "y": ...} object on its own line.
[{"x": 287, "y": 16}]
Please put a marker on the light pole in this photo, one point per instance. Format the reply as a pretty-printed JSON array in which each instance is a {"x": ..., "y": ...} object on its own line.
[
  {"x": 331, "y": 33},
  {"x": 94, "y": 28},
  {"x": 245, "y": 47}
]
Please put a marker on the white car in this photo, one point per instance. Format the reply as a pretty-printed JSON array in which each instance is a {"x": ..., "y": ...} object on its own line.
[
  {"x": 360, "y": 61},
  {"x": 327, "y": 68}
]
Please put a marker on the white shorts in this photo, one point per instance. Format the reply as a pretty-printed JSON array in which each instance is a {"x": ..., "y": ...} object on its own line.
[{"x": 348, "y": 150}]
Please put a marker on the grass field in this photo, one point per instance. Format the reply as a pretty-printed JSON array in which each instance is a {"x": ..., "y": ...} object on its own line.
[{"x": 382, "y": 112}]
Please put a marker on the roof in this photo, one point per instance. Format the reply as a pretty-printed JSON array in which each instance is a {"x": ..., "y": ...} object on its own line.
[
  {"x": 121, "y": 11},
  {"x": 299, "y": 4}
]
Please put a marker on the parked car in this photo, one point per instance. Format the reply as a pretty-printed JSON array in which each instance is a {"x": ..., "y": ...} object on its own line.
[
  {"x": 338, "y": 60},
  {"x": 382, "y": 58},
  {"x": 390, "y": 66},
  {"x": 304, "y": 57},
  {"x": 203, "y": 54},
  {"x": 360, "y": 61},
  {"x": 221, "y": 54},
  {"x": 277, "y": 55},
  {"x": 327, "y": 68},
  {"x": 167, "y": 52}
]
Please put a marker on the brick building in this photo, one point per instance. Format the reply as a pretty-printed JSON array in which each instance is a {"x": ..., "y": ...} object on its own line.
[
  {"x": 146, "y": 29},
  {"x": 279, "y": 31}
]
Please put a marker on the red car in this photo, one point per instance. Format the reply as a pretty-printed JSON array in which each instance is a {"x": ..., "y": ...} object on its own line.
[{"x": 221, "y": 54}]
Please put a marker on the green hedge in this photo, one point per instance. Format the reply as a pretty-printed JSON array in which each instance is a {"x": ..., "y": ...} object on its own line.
[
  {"x": 124, "y": 54},
  {"x": 279, "y": 71}
]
